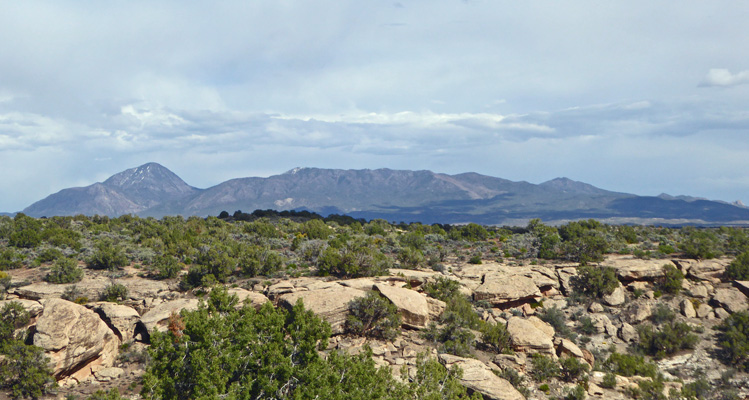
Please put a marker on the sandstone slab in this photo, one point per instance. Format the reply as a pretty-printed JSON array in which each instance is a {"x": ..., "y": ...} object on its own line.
[
  {"x": 731, "y": 299},
  {"x": 501, "y": 289},
  {"x": 527, "y": 337},
  {"x": 412, "y": 305},
  {"x": 330, "y": 304}
]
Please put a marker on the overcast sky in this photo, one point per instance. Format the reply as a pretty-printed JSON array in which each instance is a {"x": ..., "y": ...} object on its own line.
[{"x": 635, "y": 96}]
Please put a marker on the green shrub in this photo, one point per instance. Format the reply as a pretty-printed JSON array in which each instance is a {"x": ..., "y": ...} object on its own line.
[
  {"x": 544, "y": 388},
  {"x": 107, "y": 256},
  {"x": 316, "y": 229},
  {"x": 471, "y": 232},
  {"x": 576, "y": 393},
  {"x": 738, "y": 269},
  {"x": 544, "y": 368},
  {"x": 698, "y": 389},
  {"x": 556, "y": 318},
  {"x": 355, "y": 259},
  {"x": 733, "y": 340},
  {"x": 113, "y": 293},
  {"x": 10, "y": 259},
  {"x": 672, "y": 279},
  {"x": 411, "y": 258},
  {"x": 456, "y": 321},
  {"x": 49, "y": 255},
  {"x": 586, "y": 326},
  {"x": 4, "y": 283},
  {"x": 112, "y": 394},
  {"x": 442, "y": 288},
  {"x": 475, "y": 260},
  {"x": 648, "y": 389},
  {"x": 27, "y": 238},
  {"x": 166, "y": 267},
  {"x": 373, "y": 316},
  {"x": 272, "y": 352},
  {"x": 700, "y": 244},
  {"x": 495, "y": 337},
  {"x": 65, "y": 270},
  {"x": 12, "y": 316},
  {"x": 629, "y": 365},
  {"x": 25, "y": 371},
  {"x": 572, "y": 369},
  {"x": 595, "y": 282},
  {"x": 72, "y": 293},
  {"x": 666, "y": 340},
  {"x": 609, "y": 381},
  {"x": 662, "y": 314}
]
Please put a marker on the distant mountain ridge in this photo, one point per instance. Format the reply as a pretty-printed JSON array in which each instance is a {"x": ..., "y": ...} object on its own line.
[{"x": 395, "y": 195}]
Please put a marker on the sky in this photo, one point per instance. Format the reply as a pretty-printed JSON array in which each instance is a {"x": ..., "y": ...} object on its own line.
[{"x": 633, "y": 96}]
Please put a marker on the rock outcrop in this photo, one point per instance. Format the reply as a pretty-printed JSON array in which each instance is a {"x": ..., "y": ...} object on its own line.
[
  {"x": 75, "y": 339},
  {"x": 120, "y": 318},
  {"x": 480, "y": 378}
]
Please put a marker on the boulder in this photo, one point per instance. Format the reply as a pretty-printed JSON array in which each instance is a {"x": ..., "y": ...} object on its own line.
[
  {"x": 157, "y": 318},
  {"x": 639, "y": 312},
  {"x": 108, "y": 374},
  {"x": 75, "y": 339},
  {"x": 120, "y": 318},
  {"x": 703, "y": 310},
  {"x": 412, "y": 305},
  {"x": 699, "y": 291},
  {"x": 616, "y": 298},
  {"x": 595, "y": 307},
  {"x": 687, "y": 308},
  {"x": 731, "y": 299},
  {"x": 330, "y": 304},
  {"x": 479, "y": 378},
  {"x": 527, "y": 337},
  {"x": 628, "y": 333},
  {"x": 499, "y": 289},
  {"x": 567, "y": 348},
  {"x": 256, "y": 300},
  {"x": 602, "y": 323}
]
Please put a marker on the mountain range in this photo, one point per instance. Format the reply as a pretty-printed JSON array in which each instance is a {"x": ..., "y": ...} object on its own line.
[{"x": 395, "y": 195}]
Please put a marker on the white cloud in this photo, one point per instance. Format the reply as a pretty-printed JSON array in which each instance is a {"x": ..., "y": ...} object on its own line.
[
  {"x": 222, "y": 90},
  {"x": 724, "y": 77}
]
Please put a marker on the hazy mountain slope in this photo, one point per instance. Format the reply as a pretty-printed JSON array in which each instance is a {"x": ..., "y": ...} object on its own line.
[
  {"x": 128, "y": 192},
  {"x": 395, "y": 195}
]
